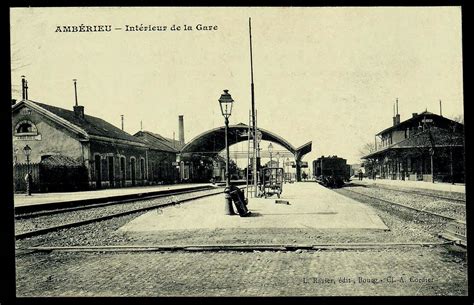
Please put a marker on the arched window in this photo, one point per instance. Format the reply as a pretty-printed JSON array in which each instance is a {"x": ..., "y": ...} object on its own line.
[{"x": 25, "y": 128}]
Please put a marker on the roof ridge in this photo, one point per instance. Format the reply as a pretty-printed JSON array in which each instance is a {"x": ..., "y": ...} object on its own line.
[
  {"x": 159, "y": 138},
  {"x": 94, "y": 125}
]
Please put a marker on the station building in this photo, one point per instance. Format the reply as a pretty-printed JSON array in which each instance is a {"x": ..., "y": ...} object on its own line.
[
  {"x": 111, "y": 157},
  {"x": 71, "y": 151},
  {"x": 426, "y": 147}
]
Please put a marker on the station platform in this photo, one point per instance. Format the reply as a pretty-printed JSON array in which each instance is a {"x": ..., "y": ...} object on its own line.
[
  {"x": 437, "y": 186},
  {"x": 22, "y": 200},
  {"x": 310, "y": 206}
]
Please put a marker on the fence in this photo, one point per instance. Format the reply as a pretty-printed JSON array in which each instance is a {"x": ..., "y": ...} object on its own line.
[
  {"x": 50, "y": 178},
  {"x": 19, "y": 172}
]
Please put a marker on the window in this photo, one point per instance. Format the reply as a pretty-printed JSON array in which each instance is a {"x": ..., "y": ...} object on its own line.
[{"x": 25, "y": 128}]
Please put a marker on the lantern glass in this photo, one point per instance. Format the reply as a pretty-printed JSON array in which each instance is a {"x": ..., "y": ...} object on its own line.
[
  {"x": 270, "y": 147},
  {"x": 27, "y": 150},
  {"x": 226, "y": 102}
]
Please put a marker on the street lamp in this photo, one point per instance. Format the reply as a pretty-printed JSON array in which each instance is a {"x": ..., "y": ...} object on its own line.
[
  {"x": 278, "y": 159},
  {"x": 27, "y": 152},
  {"x": 432, "y": 168},
  {"x": 287, "y": 169},
  {"x": 225, "y": 102},
  {"x": 270, "y": 150}
]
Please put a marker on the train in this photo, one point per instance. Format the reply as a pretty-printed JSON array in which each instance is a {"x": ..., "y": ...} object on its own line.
[{"x": 331, "y": 171}]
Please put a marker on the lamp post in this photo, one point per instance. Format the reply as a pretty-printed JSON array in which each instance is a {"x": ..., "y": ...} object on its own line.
[
  {"x": 225, "y": 102},
  {"x": 278, "y": 159},
  {"x": 287, "y": 169},
  {"x": 270, "y": 150},
  {"x": 27, "y": 152},
  {"x": 431, "y": 159}
]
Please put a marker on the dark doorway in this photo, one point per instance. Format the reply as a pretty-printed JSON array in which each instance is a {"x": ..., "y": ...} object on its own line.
[
  {"x": 142, "y": 170},
  {"x": 152, "y": 177},
  {"x": 122, "y": 170},
  {"x": 111, "y": 171},
  {"x": 98, "y": 171},
  {"x": 133, "y": 171}
]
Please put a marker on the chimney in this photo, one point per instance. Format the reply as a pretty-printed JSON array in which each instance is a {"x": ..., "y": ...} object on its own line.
[
  {"x": 181, "y": 129},
  {"x": 394, "y": 119},
  {"x": 414, "y": 114},
  {"x": 78, "y": 110},
  {"x": 397, "y": 116},
  {"x": 24, "y": 88},
  {"x": 121, "y": 116},
  {"x": 440, "y": 109}
]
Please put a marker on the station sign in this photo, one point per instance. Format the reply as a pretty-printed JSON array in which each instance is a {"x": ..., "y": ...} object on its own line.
[{"x": 303, "y": 164}]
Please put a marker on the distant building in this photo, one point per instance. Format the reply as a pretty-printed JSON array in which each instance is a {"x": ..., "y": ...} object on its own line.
[
  {"x": 162, "y": 166},
  {"x": 273, "y": 164},
  {"x": 425, "y": 147},
  {"x": 356, "y": 168}
]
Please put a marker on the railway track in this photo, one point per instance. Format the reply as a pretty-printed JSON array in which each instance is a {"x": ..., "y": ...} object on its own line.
[
  {"x": 448, "y": 199},
  {"x": 455, "y": 230},
  {"x": 172, "y": 200},
  {"x": 234, "y": 247},
  {"x": 20, "y": 214},
  {"x": 407, "y": 206}
]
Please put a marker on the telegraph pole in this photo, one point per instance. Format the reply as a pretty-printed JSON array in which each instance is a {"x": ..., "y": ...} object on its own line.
[{"x": 254, "y": 122}]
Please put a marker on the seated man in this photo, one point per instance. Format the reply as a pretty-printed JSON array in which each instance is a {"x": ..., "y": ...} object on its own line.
[{"x": 238, "y": 198}]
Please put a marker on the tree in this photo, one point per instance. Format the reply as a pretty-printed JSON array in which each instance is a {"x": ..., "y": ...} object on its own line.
[
  {"x": 432, "y": 142},
  {"x": 370, "y": 164},
  {"x": 233, "y": 169}
]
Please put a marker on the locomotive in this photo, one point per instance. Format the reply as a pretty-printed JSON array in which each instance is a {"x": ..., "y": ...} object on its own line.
[{"x": 331, "y": 171}]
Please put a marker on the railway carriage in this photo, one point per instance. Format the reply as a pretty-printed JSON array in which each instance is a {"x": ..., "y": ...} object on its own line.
[{"x": 331, "y": 171}]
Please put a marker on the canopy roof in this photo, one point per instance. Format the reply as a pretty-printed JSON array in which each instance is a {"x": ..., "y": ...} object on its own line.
[{"x": 213, "y": 141}]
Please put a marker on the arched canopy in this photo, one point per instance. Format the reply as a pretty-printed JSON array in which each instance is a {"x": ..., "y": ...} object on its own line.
[{"x": 212, "y": 142}]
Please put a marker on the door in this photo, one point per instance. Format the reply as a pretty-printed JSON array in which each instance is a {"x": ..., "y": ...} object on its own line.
[
  {"x": 122, "y": 170},
  {"x": 111, "y": 171},
  {"x": 133, "y": 171},
  {"x": 142, "y": 170},
  {"x": 98, "y": 171}
]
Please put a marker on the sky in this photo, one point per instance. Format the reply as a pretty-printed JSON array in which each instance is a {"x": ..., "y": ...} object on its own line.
[{"x": 326, "y": 75}]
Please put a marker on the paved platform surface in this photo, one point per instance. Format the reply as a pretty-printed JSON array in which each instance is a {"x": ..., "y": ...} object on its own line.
[
  {"x": 437, "y": 186},
  {"x": 42, "y": 198},
  {"x": 311, "y": 206},
  {"x": 380, "y": 272}
]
